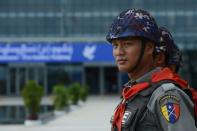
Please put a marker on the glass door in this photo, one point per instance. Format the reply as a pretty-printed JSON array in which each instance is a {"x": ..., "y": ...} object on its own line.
[
  {"x": 12, "y": 81},
  {"x": 92, "y": 79},
  {"x": 111, "y": 80},
  {"x": 3, "y": 79},
  {"x": 21, "y": 78},
  {"x": 19, "y": 75}
]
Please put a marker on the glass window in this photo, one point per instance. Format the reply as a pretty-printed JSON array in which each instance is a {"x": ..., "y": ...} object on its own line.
[
  {"x": 2, "y": 112},
  {"x": 38, "y": 18},
  {"x": 13, "y": 80},
  {"x": 12, "y": 113},
  {"x": 65, "y": 74},
  {"x": 22, "y": 78},
  {"x": 3, "y": 78},
  {"x": 22, "y": 112},
  {"x": 92, "y": 79}
]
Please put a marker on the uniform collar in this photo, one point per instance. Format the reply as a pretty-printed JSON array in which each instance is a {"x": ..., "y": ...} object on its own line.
[{"x": 145, "y": 78}]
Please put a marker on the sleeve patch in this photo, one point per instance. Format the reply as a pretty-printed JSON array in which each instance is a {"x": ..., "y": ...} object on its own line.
[
  {"x": 170, "y": 108},
  {"x": 169, "y": 98}
]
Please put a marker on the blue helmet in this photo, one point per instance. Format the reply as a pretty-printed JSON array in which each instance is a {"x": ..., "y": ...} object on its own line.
[
  {"x": 168, "y": 46},
  {"x": 134, "y": 23}
]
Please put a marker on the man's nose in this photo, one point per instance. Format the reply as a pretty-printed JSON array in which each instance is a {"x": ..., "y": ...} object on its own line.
[{"x": 120, "y": 50}]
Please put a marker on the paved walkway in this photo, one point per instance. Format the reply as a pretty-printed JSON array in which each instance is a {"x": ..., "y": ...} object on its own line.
[
  {"x": 14, "y": 101},
  {"x": 94, "y": 115}
]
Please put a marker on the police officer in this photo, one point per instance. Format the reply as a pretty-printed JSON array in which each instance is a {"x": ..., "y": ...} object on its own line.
[
  {"x": 170, "y": 55},
  {"x": 134, "y": 36}
]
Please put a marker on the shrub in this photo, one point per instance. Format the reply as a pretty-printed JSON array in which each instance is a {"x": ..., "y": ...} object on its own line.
[
  {"x": 60, "y": 97},
  {"x": 84, "y": 93},
  {"x": 74, "y": 93},
  {"x": 32, "y": 94}
]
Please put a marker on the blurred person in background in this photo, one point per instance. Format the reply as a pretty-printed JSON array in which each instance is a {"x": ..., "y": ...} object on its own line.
[
  {"x": 146, "y": 105},
  {"x": 170, "y": 55}
]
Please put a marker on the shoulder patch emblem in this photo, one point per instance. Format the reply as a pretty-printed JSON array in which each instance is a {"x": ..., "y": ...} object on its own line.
[{"x": 170, "y": 108}]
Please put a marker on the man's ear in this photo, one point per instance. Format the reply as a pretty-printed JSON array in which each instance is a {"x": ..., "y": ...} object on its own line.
[{"x": 160, "y": 59}]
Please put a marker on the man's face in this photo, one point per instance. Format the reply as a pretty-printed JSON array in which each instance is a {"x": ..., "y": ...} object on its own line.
[
  {"x": 126, "y": 53},
  {"x": 160, "y": 59}
]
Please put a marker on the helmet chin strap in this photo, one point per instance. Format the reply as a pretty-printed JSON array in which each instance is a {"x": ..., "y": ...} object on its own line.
[{"x": 143, "y": 45}]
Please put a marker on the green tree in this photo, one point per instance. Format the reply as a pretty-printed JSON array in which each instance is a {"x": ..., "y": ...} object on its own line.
[
  {"x": 60, "y": 97},
  {"x": 84, "y": 93},
  {"x": 74, "y": 93},
  {"x": 32, "y": 94}
]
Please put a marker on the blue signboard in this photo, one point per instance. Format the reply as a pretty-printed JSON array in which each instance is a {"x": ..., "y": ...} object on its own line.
[{"x": 55, "y": 52}]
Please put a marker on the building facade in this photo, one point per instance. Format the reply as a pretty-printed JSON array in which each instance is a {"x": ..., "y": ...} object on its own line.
[
  {"x": 45, "y": 24},
  {"x": 52, "y": 41}
]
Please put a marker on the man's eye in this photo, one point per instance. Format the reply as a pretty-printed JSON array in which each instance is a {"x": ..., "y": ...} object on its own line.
[
  {"x": 127, "y": 44},
  {"x": 114, "y": 45}
]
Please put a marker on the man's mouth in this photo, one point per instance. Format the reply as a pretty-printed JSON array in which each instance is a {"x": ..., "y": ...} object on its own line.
[{"x": 121, "y": 61}]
